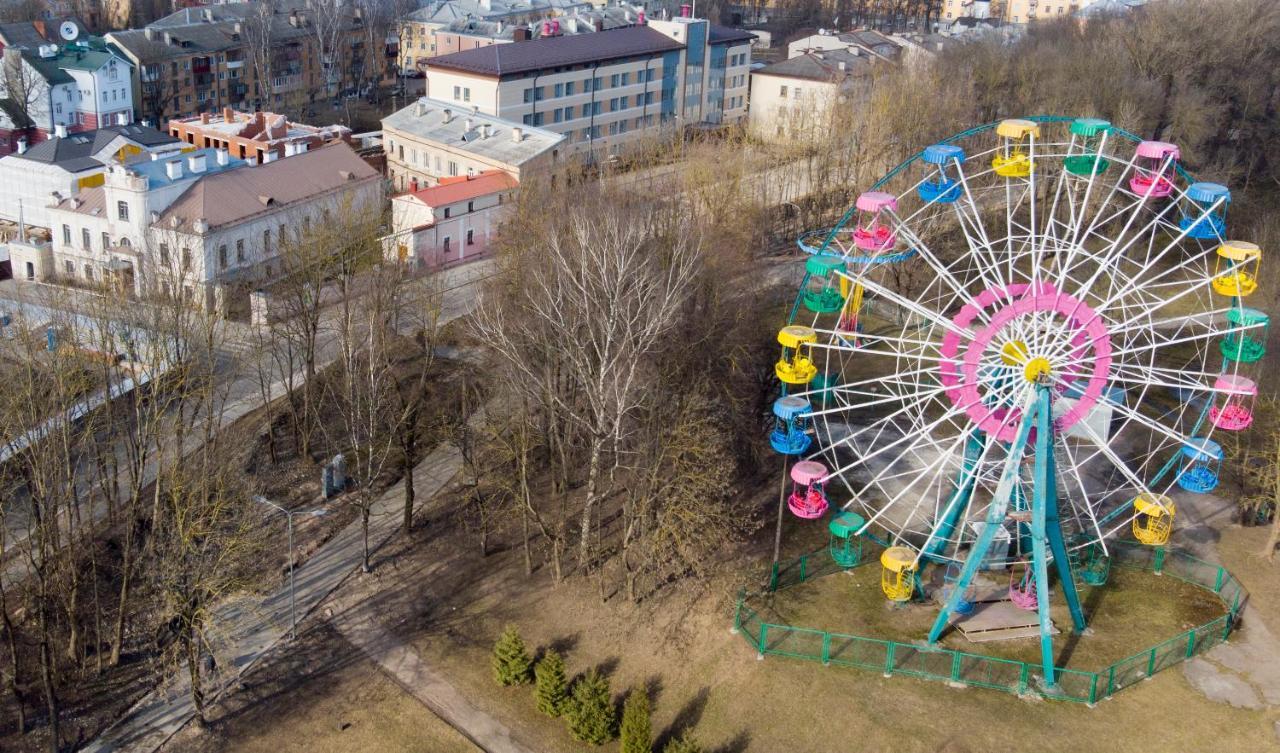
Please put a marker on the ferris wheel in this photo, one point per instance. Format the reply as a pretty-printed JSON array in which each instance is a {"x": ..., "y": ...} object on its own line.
[{"x": 1011, "y": 349}]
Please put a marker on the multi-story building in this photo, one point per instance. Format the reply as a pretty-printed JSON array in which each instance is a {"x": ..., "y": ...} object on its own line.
[
  {"x": 430, "y": 141},
  {"x": 876, "y": 45},
  {"x": 424, "y": 33},
  {"x": 1011, "y": 11},
  {"x": 248, "y": 56},
  {"x": 77, "y": 87},
  {"x": 254, "y": 135},
  {"x": 62, "y": 166},
  {"x": 792, "y": 101},
  {"x": 605, "y": 89},
  {"x": 104, "y": 233},
  {"x": 451, "y": 222},
  {"x": 202, "y": 221}
]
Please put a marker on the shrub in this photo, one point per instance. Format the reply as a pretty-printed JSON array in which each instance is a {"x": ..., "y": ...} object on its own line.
[
  {"x": 551, "y": 686},
  {"x": 685, "y": 743},
  {"x": 590, "y": 712},
  {"x": 636, "y": 731},
  {"x": 511, "y": 662}
]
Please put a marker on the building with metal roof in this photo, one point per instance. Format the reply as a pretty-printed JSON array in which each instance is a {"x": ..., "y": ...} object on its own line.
[
  {"x": 606, "y": 89},
  {"x": 432, "y": 140},
  {"x": 63, "y": 166}
]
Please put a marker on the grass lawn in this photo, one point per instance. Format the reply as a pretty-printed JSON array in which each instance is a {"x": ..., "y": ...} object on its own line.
[{"x": 701, "y": 676}]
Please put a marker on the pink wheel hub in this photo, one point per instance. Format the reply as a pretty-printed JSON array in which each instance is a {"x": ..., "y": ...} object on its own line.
[{"x": 1067, "y": 337}]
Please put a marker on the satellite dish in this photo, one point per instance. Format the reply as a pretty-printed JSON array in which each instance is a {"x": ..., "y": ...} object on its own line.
[{"x": 69, "y": 31}]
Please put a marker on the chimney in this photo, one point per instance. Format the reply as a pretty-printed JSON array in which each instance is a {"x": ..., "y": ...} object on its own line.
[
  {"x": 207, "y": 13},
  {"x": 600, "y": 24},
  {"x": 470, "y": 125},
  {"x": 520, "y": 34},
  {"x": 448, "y": 115},
  {"x": 75, "y": 203},
  {"x": 686, "y": 11},
  {"x": 640, "y": 20},
  {"x": 268, "y": 156},
  {"x": 149, "y": 33},
  {"x": 546, "y": 28},
  {"x": 251, "y": 160},
  {"x": 302, "y": 147},
  {"x": 484, "y": 130},
  {"x": 238, "y": 28},
  {"x": 173, "y": 169},
  {"x": 168, "y": 38},
  {"x": 60, "y": 130},
  {"x": 420, "y": 109},
  {"x": 555, "y": 27},
  {"x": 204, "y": 118},
  {"x": 223, "y": 157},
  {"x": 196, "y": 163},
  {"x": 228, "y": 115},
  {"x": 22, "y": 145},
  {"x": 517, "y": 135}
]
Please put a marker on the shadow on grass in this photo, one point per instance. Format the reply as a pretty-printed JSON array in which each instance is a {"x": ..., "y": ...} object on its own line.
[{"x": 686, "y": 719}]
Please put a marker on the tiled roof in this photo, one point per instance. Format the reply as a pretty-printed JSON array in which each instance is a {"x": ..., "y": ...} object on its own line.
[
  {"x": 522, "y": 57},
  {"x": 21, "y": 34},
  {"x": 90, "y": 201},
  {"x": 445, "y": 123},
  {"x": 464, "y": 188},
  {"x": 234, "y": 196}
]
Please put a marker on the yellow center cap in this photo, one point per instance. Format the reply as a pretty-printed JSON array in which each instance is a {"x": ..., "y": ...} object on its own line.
[{"x": 1036, "y": 368}]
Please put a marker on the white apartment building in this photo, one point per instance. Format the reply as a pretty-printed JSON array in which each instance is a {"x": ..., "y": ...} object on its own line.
[
  {"x": 792, "y": 101},
  {"x": 605, "y": 89},
  {"x": 431, "y": 140},
  {"x": 82, "y": 87}
]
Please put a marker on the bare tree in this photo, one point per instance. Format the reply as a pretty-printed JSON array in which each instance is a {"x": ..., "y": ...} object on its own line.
[{"x": 28, "y": 90}]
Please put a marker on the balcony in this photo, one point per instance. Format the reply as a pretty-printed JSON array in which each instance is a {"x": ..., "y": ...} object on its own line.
[
  {"x": 282, "y": 84},
  {"x": 233, "y": 64},
  {"x": 200, "y": 65}
]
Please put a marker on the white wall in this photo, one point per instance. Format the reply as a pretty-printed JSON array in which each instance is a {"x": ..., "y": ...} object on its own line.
[{"x": 800, "y": 115}]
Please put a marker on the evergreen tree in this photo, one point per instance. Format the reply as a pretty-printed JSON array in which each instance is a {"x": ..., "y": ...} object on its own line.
[
  {"x": 552, "y": 687},
  {"x": 511, "y": 662},
  {"x": 636, "y": 731},
  {"x": 685, "y": 743},
  {"x": 590, "y": 713}
]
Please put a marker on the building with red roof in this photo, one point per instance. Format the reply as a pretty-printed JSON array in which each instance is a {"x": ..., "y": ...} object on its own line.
[{"x": 451, "y": 222}]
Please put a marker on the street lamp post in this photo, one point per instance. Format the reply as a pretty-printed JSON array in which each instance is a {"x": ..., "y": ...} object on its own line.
[{"x": 288, "y": 516}]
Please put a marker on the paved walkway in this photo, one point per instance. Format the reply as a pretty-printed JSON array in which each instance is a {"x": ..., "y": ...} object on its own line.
[
  {"x": 1245, "y": 671},
  {"x": 252, "y": 627},
  {"x": 359, "y": 623}
]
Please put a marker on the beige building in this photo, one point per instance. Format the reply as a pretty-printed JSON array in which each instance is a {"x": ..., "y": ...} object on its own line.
[
  {"x": 1011, "y": 11},
  {"x": 431, "y": 140},
  {"x": 792, "y": 101},
  {"x": 609, "y": 88}
]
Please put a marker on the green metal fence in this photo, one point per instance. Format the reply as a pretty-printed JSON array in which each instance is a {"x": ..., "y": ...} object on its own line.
[{"x": 966, "y": 669}]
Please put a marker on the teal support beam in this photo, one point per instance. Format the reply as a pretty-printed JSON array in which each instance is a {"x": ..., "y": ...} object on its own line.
[
  {"x": 1047, "y": 485},
  {"x": 996, "y": 512},
  {"x": 959, "y": 498},
  {"x": 1039, "y": 555}
]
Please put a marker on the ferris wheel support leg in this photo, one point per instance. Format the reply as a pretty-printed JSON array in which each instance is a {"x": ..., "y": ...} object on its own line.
[
  {"x": 959, "y": 499},
  {"x": 995, "y": 518},
  {"x": 1044, "y": 497}
]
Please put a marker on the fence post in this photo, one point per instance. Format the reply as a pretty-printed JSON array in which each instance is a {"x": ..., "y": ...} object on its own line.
[
  {"x": 764, "y": 630},
  {"x": 826, "y": 648},
  {"x": 804, "y": 561},
  {"x": 1226, "y": 626},
  {"x": 1151, "y": 663},
  {"x": 955, "y": 666},
  {"x": 1093, "y": 689},
  {"x": 737, "y": 611},
  {"x": 1024, "y": 680},
  {"x": 888, "y": 659},
  {"x": 1191, "y": 642},
  {"x": 1111, "y": 679},
  {"x": 773, "y": 578},
  {"x": 1158, "y": 566}
]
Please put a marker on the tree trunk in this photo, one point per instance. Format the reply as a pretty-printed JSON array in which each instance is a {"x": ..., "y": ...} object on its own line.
[
  {"x": 125, "y": 584},
  {"x": 364, "y": 530},
  {"x": 46, "y": 677},
  {"x": 588, "y": 505},
  {"x": 14, "y": 676},
  {"x": 409, "y": 493},
  {"x": 193, "y": 671}
]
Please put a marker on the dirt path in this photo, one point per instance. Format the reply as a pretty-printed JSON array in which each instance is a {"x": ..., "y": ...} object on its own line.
[{"x": 1245, "y": 671}]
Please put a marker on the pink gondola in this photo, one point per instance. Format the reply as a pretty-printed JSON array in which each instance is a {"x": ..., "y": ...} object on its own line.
[
  {"x": 1022, "y": 591},
  {"x": 1151, "y": 177},
  {"x": 808, "y": 499},
  {"x": 1237, "y": 394},
  {"x": 872, "y": 234}
]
